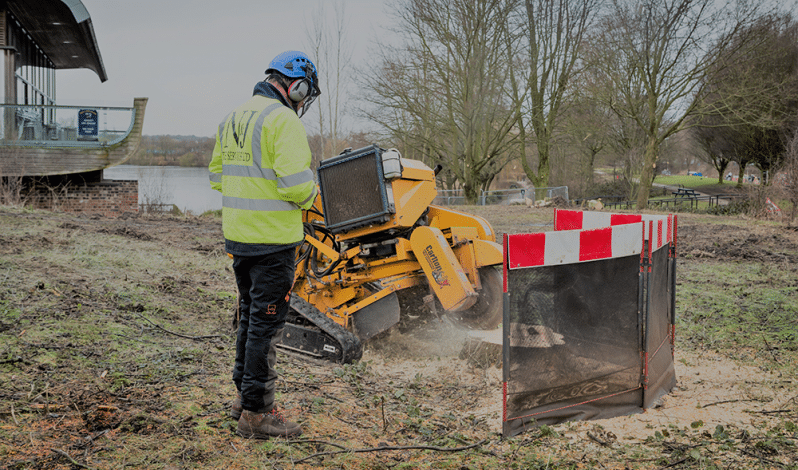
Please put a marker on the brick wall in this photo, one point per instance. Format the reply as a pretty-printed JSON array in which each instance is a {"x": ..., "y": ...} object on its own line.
[{"x": 108, "y": 198}]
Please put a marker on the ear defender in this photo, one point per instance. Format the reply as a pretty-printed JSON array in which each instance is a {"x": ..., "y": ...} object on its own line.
[{"x": 298, "y": 90}]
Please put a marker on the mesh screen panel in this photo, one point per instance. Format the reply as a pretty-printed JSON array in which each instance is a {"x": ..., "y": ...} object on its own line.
[
  {"x": 662, "y": 375},
  {"x": 574, "y": 339}
]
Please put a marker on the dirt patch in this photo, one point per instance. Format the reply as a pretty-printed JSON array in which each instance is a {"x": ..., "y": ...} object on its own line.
[{"x": 773, "y": 243}]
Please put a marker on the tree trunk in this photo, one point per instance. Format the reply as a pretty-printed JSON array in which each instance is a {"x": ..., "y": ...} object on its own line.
[
  {"x": 741, "y": 175},
  {"x": 646, "y": 177}
]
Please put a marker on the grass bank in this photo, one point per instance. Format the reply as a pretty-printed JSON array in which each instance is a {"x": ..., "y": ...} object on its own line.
[{"x": 116, "y": 348}]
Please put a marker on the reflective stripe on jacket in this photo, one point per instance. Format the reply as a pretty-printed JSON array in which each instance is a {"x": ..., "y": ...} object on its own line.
[{"x": 261, "y": 165}]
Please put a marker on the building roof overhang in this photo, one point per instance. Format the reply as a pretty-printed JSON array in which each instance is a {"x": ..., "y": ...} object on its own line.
[{"x": 63, "y": 30}]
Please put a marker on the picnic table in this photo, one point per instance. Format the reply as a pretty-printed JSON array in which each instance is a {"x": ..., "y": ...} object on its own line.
[{"x": 685, "y": 192}]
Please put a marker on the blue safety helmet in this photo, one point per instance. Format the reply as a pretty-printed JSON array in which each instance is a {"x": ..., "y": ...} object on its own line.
[{"x": 297, "y": 65}]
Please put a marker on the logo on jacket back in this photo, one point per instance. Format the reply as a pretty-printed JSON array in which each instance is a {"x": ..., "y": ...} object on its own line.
[{"x": 238, "y": 128}]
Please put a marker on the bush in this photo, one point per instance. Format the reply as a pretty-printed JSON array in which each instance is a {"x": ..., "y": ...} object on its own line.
[{"x": 734, "y": 207}]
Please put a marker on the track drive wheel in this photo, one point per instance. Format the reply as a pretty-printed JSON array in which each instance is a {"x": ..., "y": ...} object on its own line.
[{"x": 487, "y": 312}]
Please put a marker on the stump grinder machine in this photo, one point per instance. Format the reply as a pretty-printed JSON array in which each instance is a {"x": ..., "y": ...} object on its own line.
[{"x": 376, "y": 250}]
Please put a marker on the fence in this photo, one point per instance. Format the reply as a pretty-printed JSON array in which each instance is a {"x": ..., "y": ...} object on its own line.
[
  {"x": 64, "y": 126},
  {"x": 677, "y": 202},
  {"x": 452, "y": 197},
  {"x": 588, "y": 318}
]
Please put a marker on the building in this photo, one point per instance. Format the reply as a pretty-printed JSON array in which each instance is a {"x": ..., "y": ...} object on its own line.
[{"x": 52, "y": 149}]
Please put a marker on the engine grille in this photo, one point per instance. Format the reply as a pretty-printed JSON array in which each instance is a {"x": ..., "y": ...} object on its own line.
[{"x": 353, "y": 190}]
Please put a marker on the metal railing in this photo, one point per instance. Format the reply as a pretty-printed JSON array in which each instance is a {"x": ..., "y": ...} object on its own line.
[
  {"x": 64, "y": 126},
  {"x": 454, "y": 197},
  {"x": 677, "y": 202}
]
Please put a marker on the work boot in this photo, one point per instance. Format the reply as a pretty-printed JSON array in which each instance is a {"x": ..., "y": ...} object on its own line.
[
  {"x": 236, "y": 408},
  {"x": 264, "y": 425}
]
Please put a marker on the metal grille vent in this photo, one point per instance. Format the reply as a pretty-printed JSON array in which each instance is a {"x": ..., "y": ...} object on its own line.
[{"x": 353, "y": 190}]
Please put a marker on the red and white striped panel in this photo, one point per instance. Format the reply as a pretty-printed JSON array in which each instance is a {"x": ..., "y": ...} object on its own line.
[
  {"x": 664, "y": 226},
  {"x": 573, "y": 246}
]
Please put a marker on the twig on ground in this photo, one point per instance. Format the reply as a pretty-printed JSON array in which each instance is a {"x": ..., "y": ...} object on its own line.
[
  {"x": 327, "y": 395},
  {"x": 382, "y": 408},
  {"x": 674, "y": 464},
  {"x": 386, "y": 448},
  {"x": 725, "y": 401},
  {"x": 176, "y": 334},
  {"x": 604, "y": 443},
  {"x": 751, "y": 454},
  {"x": 71, "y": 460},
  {"x": 768, "y": 412},
  {"x": 13, "y": 415},
  {"x": 315, "y": 441},
  {"x": 770, "y": 350}
]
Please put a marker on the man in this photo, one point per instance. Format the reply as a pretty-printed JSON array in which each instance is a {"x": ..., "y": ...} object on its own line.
[{"x": 261, "y": 166}]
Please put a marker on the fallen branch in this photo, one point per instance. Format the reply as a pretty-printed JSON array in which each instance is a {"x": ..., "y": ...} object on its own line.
[
  {"x": 71, "y": 460},
  {"x": 173, "y": 333},
  {"x": 387, "y": 448}
]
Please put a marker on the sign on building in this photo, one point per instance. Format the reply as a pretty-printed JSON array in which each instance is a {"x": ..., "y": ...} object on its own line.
[{"x": 88, "y": 124}]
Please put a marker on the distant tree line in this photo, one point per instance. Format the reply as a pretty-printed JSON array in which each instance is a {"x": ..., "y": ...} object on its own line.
[
  {"x": 173, "y": 150},
  {"x": 193, "y": 151}
]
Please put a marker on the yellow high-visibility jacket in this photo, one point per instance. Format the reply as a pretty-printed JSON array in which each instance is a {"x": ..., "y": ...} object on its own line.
[{"x": 261, "y": 165}]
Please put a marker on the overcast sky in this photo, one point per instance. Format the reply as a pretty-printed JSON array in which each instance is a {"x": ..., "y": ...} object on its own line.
[{"x": 196, "y": 60}]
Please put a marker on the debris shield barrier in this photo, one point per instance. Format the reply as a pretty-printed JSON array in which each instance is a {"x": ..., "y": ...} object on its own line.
[{"x": 588, "y": 318}]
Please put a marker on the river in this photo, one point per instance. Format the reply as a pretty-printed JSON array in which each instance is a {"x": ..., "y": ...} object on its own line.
[{"x": 187, "y": 188}]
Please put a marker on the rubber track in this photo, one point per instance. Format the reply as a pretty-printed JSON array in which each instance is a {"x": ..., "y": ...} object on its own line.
[{"x": 348, "y": 343}]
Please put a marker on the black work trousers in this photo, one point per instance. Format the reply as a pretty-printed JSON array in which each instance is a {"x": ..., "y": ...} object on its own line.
[{"x": 264, "y": 284}]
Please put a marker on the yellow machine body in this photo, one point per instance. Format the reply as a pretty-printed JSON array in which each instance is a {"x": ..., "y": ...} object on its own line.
[{"x": 353, "y": 276}]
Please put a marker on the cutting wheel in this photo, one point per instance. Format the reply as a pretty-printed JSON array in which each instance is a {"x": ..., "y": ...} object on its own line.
[{"x": 486, "y": 313}]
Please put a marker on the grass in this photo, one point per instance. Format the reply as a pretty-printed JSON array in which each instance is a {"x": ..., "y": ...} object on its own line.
[
  {"x": 750, "y": 316},
  {"x": 690, "y": 181}
]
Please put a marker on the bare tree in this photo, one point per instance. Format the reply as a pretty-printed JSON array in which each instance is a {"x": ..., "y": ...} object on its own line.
[
  {"x": 659, "y": 55},
  {"x": 546, "y": 42},
  {"x": 749, "y": 106},
  {"x": 331, "y": 49},
  {"x": 714, "y": 143},
  {"x": 440, "y": 94},
  {"x": 586, "y": 127}
]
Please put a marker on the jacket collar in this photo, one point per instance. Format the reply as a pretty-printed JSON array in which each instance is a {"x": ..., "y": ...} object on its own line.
[{"x": 268, "y": 90}]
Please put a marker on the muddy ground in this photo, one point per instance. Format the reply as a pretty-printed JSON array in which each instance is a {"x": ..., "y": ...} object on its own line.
[{"x": 116, "y": 348}]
